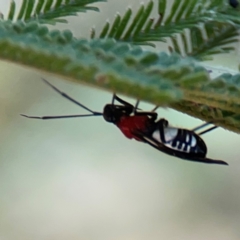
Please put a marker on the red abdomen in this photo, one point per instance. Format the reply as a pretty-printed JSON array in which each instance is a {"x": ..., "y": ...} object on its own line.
[{"x": 132, "y": 124}]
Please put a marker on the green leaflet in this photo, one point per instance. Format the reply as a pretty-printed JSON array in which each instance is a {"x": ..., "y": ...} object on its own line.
[
  {"x": 105, "y": 63},
  {"x": 211, "y": 27},
  {"x": 159, "y": 78},
  {"x": 49, "y": 11}
]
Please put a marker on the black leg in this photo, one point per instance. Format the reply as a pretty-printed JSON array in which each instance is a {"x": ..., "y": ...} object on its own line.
[
  {"x": 208, "y": 130},
  {"x": 161, "y": 124},
  {"x": 126, "y": 108},
  {"x": 153, "y": 115},
  {"x": 202, "y": 126},
  {"x": 113, "y": 98},
  {"x": 136, "y": 107},
  {"x": 155, "y": 108},
  {"x": 122, "y": 101}
]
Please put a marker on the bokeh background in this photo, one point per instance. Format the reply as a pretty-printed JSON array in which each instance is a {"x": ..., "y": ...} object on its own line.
[{"x": 82, "y": 179}]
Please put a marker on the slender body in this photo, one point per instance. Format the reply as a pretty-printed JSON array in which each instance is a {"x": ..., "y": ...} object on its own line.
[{"x": 144, "y": 127}]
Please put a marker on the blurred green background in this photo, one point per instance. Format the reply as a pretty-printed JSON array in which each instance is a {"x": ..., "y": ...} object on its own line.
[{"x": 82, "y": 179}]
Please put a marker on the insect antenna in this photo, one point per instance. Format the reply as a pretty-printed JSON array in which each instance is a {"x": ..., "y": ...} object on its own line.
[
  {"x": 67, "y": 97},
  {"x": 59, "y": 117},
  {"x": 93, "y": 113}
]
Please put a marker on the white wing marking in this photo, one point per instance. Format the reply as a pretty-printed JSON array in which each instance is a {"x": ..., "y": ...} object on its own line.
[
  {"x": 194, "y": 141},
  {"x": 169, "y": 133}
]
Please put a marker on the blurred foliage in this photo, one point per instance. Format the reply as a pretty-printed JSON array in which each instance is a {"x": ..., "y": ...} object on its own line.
[{"x": 49, "y": 11}]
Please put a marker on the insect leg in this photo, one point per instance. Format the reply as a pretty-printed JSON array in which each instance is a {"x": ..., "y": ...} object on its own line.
[
  {"x": 136, "y": 107},
  {"x": 113, "y": 98},
  {"x": 122, "y": 101},
  {"x": 126, "y": 107},
  {"x": 202, "y": 126},
  {"x": 69, "y": 98},
  {"x": 155, "y": 108},
  {"x": 161, "y": 124},
  {"x": 208, "y": 130},
  {"x": 151, "y": 114}
]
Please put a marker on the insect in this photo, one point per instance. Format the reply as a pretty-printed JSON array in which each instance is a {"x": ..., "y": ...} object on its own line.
[{"x": 144, "y": 127}]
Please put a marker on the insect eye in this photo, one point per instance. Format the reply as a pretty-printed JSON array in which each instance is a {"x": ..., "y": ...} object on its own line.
[{"x": 109, "y": 113}]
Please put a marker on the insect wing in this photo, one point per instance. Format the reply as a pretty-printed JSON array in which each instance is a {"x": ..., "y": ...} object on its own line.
[{"x": 161, "y": 147}]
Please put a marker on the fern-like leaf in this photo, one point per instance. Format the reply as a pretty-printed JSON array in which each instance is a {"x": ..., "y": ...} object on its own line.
[
  {"x": 206, "y": 40},
  {"x": 158, "y": 78},
  {"x": 216, "y": 19},
  {"x": 49, "y": 11}
]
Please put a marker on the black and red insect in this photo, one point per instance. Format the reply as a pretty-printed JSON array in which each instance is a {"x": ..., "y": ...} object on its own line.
[{"x": 144, "y": 127}]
